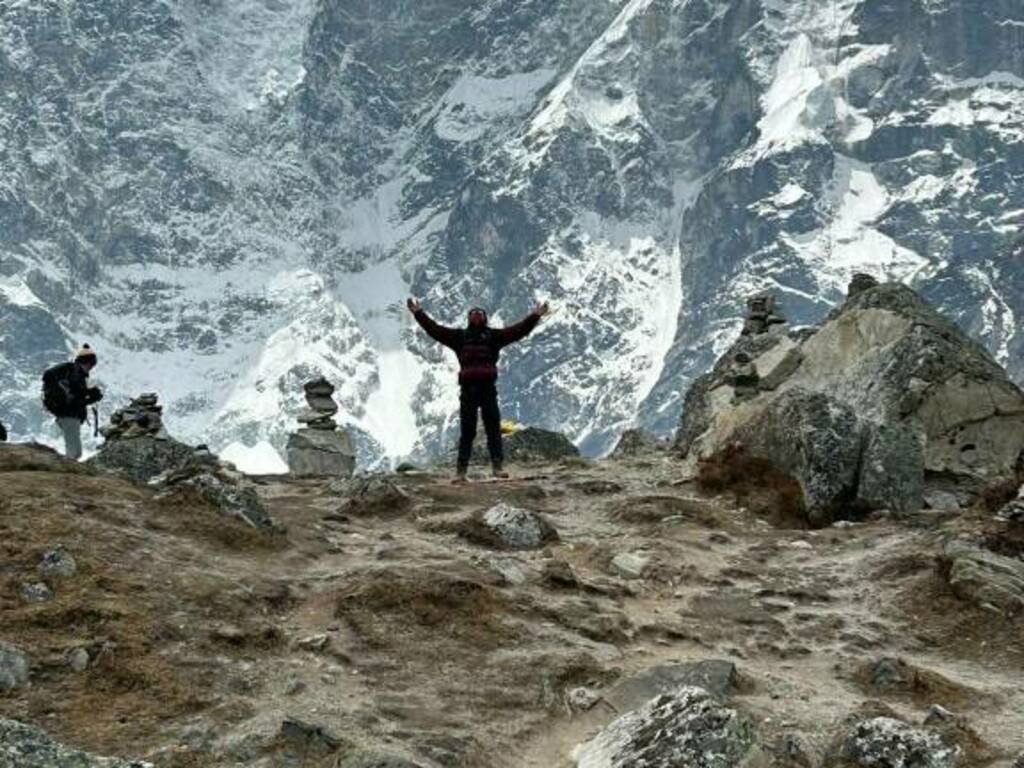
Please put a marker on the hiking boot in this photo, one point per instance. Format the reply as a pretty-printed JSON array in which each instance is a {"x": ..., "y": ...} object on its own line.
[
  {"x": 460, "y": 476},
  {"x": 498, "y": 472}
]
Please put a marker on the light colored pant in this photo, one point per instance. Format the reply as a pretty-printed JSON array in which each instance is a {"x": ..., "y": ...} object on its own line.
[{"x": 71, "y": 428}]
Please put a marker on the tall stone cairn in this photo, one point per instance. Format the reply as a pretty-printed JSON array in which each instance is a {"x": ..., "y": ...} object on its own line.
[
  {"x": 320, "y": 447},
  {"x": 762, "y": 314},
  {"x": 142, "y": 417}
]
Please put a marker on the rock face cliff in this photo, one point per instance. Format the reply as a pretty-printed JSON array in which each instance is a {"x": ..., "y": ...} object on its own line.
[
  {"x": 233, "y": 198},
  {"x": 865, "y": 407}
]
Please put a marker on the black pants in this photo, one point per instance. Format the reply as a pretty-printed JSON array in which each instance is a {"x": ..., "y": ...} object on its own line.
[{"x": 482, "y": 396}]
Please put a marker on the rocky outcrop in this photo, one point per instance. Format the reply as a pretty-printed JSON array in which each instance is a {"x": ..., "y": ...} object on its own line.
[
  {"x": 24, "y": 746},
  {"x": 221, "y": 486},
  {"x": 536, "y": 444},
  {"x": 686, "y": 727},
  {"x": 142, "y": 458},
  {"x": 320, "y": 447},
  {"x": 982, "y": 577},
  {"x": 862, "y": 406},
  {"x": 524, "y": 444},
  {"x": 635, "y": 442}
]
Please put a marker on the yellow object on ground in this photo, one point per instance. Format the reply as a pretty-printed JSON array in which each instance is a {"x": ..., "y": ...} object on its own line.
[{"x": 508, "y": 426}]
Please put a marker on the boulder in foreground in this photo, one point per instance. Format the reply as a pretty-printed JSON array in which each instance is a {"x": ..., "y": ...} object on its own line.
[
  {"x": 863, "y": 407},
  {"x": 506, "y": 527},
  {"x": 24, "y": 746},
  {"x": 686, "y": 727}
]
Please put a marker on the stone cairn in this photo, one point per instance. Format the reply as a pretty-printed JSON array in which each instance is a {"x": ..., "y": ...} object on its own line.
[
  {"x": 320, "y": 447},
  {"x": 142, "y": 417},
  {"x": 762, "y": 314},
  {"x": 859, "y": 283}
]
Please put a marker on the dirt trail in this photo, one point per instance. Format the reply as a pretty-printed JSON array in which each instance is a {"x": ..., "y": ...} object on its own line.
[{"x": 391, "y": 631}]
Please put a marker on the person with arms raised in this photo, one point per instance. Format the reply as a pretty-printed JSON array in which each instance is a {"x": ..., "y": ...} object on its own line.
[{"x": 478, "y": 347}]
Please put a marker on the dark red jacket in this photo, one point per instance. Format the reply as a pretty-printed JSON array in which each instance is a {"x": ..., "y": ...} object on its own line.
[{"x": 477, "y": 349}]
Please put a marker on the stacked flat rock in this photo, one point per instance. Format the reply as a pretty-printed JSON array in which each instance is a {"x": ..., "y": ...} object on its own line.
[
  {"x": 320, "y": 447},
  {"x": 321, "y": 410},
  {"x": 142, "y": 417},
  {"x": 762, "y": 314}
]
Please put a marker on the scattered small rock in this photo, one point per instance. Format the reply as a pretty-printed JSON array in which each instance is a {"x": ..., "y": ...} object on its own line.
[
  {"x": 35, "y": 592},
  {"x": 631, "y": 565},
  {"x": 582, "y": 698},
  {"x": 511, "y": 571},
  {"x": 941, "y": 500},
  {"x": 308, "y": 737},
  {"x": 78, "y": 659},
  {"x": 315, "y": 642},
  {"x": 559, "y": 573},
  {"x": 56, "y": 564},
  {"x": 13, "y": 669},
  {"x": 938, "y": 714}
]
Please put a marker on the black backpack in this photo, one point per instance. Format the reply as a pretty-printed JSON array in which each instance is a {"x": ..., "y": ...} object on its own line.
[{"x": 55, "y": 390}]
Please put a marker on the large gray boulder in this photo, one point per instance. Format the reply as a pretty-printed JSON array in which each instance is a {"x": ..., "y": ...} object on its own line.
[
  {"x": 687, "y": 727},
  {"x": 862, "y": 406},
  {"x": 324, "y": 452},
  {"x": 24, "y": 746}
]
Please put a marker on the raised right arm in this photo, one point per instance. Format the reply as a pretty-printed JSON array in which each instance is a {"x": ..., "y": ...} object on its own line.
[{"x": 440, "y": 333}]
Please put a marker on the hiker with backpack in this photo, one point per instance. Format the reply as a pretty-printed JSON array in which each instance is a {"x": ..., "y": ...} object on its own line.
[
  {"x": 478, "y": 347},
  {"x": 67, "y": 395}
]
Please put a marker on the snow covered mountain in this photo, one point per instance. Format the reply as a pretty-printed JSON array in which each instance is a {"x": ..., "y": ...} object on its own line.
[{"x": 227, "y": 197}]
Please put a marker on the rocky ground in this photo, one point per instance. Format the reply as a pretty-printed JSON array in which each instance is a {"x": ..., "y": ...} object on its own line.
[{"x": 390, "y": 625}]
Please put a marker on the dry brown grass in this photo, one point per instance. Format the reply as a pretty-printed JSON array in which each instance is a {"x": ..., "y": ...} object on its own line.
[
  {"x": 388, "y": 608},
  {"x": 755, "y": 483}
]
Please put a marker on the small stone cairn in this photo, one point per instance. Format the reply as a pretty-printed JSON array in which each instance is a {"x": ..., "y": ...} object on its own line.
[
  {"x": 762, "y": 314},
  {"x": 859, "y": 283},
  {"x": 142, "y": 417},
  {"x": 320, "y": 447}
]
